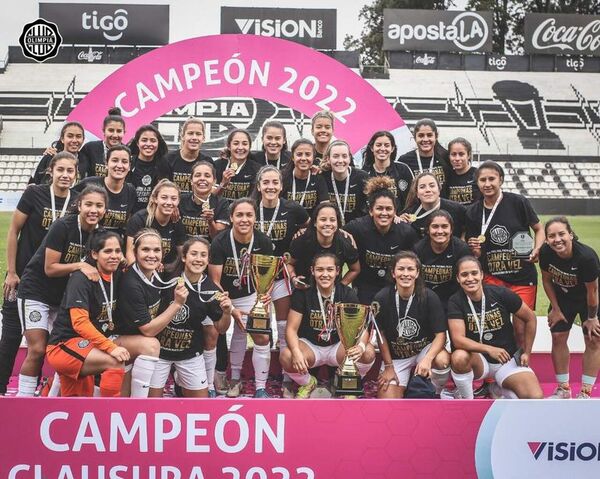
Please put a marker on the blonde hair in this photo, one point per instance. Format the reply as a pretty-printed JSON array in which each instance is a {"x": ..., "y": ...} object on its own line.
[
  {"x": 322, "y": 114},
  {"x": 152, "y": 201},
  {"x": 191, "y": 121}
]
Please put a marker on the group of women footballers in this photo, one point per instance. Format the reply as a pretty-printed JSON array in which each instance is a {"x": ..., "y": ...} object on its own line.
[{"x": 127, "y": 263}]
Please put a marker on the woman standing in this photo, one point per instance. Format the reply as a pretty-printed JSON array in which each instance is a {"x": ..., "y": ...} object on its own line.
[
  {"x": 38, "y": 208},
  {"x": 45, "y": 277},
  {"x": 182, "y": 341},
  {"x": 311, "y": 333},
  {"x": 229, "y": 269},
  {"x": 93, "y": 154},
  {"x": 148, "y": 150},
  {"x": 378, "y": 238},
  {"x": 570, "y": 278},
  {"x": 299, "y": 183},
  {"x": 461, "y": 184},
  {"x": 412, "y": 330},
  {"x": 380, "y": 160},
  {"x": 274, "y": 146},
  {"x": 424, "y": 198},
  {"x": 439, "y": 252},
  {"x": 322, "y": 131},
  {"x": 203, "y": 213},
  {"x": 236, "y": 173}
]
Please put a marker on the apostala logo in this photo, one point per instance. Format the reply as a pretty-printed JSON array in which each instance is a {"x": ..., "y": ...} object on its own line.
[
  {"x": 40, "y": 40},
  {"x": 281, "y": 28},
  {"x": 468, "y": 31},
  {"x": 565, "y": 451}
]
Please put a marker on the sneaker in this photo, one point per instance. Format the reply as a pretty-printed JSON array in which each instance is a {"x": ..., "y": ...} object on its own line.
[
  {"x": 321, "y": 392},
  {"x": 305, "y": 391},
  {"x": 235, "y": 389},
  {"x": 482, "y": 391},
  {"x": 287, "y": 391},
  {"x": 212, "y": 393},
  {"x": 449, "y": 394},
  {"x": 220, "y": 382},
  {"x": 561, "y": 393},
  {"x": 495, "y": 391},
  {"x": 583, "y": 395},
  {"x": 262, "y": 393}
]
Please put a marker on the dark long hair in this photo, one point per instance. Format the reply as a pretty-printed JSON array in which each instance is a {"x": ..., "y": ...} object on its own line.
[
  {"x": 419, "y": 282},
  {"x": 178, "y": 266},
  {"x": 369, "y": 156},
  {"x": 97, "y": 240},
  {"x": 288, "y": 169},
  {"x": 162, "y": 150},
  {"x": 412, "y": 198}
]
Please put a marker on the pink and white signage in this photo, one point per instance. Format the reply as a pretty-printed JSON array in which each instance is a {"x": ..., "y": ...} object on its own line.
[{"x": 242, "y": 66}]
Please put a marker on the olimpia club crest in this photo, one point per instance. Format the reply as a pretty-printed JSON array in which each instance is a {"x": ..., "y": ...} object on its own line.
[{"x": 40, "y": 40}]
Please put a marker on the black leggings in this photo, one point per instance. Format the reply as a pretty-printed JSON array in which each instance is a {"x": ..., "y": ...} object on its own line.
[{"x": 10, "y": 342}]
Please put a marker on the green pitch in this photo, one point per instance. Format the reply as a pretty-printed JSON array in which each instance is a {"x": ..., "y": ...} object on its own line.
[{"x": 586, "y": 227}]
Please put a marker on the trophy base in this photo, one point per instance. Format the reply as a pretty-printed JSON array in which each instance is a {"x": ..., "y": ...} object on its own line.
[
  {"x": 258, "y": 325},
  {"x": 348, "y": 385}
]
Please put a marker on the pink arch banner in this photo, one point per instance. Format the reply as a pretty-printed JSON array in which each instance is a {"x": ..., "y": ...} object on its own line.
[{"x": 241, "y": 66}]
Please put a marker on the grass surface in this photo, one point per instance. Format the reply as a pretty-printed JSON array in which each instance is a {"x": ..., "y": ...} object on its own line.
[{"x": 586, "y": 227}]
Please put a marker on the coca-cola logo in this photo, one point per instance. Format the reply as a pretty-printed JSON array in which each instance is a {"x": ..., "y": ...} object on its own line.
[
  {"x": 566, "y": 37},
  {"x": 89, "y": 56},
  {"x": 425, "y": 60}
]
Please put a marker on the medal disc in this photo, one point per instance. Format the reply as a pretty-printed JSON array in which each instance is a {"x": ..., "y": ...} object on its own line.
[
  {"x": 236, "y": 282},
  {"x": 412, "y": 218},
  {"x": 233, "y": 166},
  {"x": 481, "y": 239},
  {"x": 205, "y": 206}
]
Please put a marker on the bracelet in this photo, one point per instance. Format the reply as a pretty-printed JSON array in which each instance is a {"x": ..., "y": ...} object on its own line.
[{"x": 388, "y": 365}]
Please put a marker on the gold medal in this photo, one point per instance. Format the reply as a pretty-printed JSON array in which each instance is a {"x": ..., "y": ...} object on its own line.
[
  {"x": 233, "y": 166},
  {"x": 481, "y": 239},
  {"x": 412, "y": 218},
  {"x": 180, "y": 281},
  {"x": 205, "y": 206}
]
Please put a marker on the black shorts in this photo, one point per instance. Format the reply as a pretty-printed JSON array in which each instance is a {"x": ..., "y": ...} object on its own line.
[{"x": 570, "y": 310}]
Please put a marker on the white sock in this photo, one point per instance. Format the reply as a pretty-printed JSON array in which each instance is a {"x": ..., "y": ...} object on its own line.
[
  {"x": 261, "y": 360},
  {"x": 96, "y": 393},
  {"x": 55, "y": 388},
  {"x": 464, "y": 384},
  {"x": 281, "y": 325},
  {"x": 141, "y": 374},
  {"x": 439, "y": 378},
  {"x": 509, "y": 394},
  {"x": 27, "y": 385},
  {"x": 237, "y": 350},
  {"x": 210, "y": 361},
  {"x": 301, "y": 379}
]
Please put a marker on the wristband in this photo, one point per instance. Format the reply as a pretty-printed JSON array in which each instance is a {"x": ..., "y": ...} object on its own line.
[{"x": 388, "y": 365}]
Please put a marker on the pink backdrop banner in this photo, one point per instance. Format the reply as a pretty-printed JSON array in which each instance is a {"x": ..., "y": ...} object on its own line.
[{"x": 240, "y": 66}]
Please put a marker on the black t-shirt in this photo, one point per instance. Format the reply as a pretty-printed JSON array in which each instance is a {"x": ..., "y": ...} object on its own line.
[
  {"x": 304, "y": 248},
  {"x": 191, "y": 214},
  {"x": 183, "y": 337},
  {"x": 120, "y": 205},
  {"x": 40, "y": 176},
  {"x": 36, "y": 204},
  {"x": 307, "y": 195},
  {"x": 179, "y": 171},
  {"x": 139, "y": 303},
  {"x": 81, "y": 293},
  {"x": 500, "y": 303},
  {"x": 306, "y": 303},
  {"x": 376, "y": 250},
  {"x": 242, "y": 184},
  {"x": 439, "y": 270},
  {"x": 260, "y": 157},
  {"x": 456, "y": 210},
  {"x": 221, "y": 253},
  {"x": 144, "y": 177},
  {"x": 463, "y": 188},
  {"x": 356, "y": 204},
  {"x": 402, "y": 176},
  {"x": 64, "y": 237},
  {"x": 418, "y": 325},
  {"x": 570, "y": 275},
  {"x": 172, "y": 234},
  {"x": 289, "y": 219},
  {"x": 93, "y": 157},
  {"x": 513, "y": 215},
  {"x": 440, "y": 169}
]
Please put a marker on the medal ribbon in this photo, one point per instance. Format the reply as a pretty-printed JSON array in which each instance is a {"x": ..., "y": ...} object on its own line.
[
  {"x": 190, "y": 286},
  {"x": 325, "y": 333},
  {"x": 479, "y": 322},
  {"x": 111, "y": 324},
  {"x": 486, "y": 223},
  {"x": 155, "y": 276},
  {"x": 242, "y": 273},
  {"x": 305, "y": 188},
  {"x": 428, "y": 212},
  {"x": 271, "y": 222},
  {"x": 420, "y": 164},
  {"x": 408, "y": 305},
  {"x": 337, "y": 194},
  {"x": 53, "y": 204}
]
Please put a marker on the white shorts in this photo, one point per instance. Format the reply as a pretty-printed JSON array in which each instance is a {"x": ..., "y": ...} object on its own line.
[
  {"x": 244, "y": 304},
  {"x": 191, "y": 373},
  {"x": 280, "y": 290},
  {"x": 36, "y": 315},
  {"x": 403, "y": 367},
  {"x": 500, "y": 371},
  {"x": 324, "y": 355}
]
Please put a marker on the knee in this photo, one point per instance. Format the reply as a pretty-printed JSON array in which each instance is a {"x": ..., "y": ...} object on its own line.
[
  {"x": 532, "y": 393},
  {"x": 260, "y": 339},
  {"x": 560, "y": 339},
  {"x": 36, "y": 350},
  {"x": 442, "y": 360},
  {"x": 460, "y": 360},
  {"x": 285, "y": 359},
  {"x": 593, "y": 344},
  {"x": 369, "y": 355}
]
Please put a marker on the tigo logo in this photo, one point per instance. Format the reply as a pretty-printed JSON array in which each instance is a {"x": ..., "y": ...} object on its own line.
[{"x": 565, "y": 451}]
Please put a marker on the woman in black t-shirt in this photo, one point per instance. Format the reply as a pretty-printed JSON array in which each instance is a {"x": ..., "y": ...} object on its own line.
[
  {"x": 439, "y": 252},
  {"x": 483, "y": 336},
  {"x": 321, "y": 128},
  {"x": 159, "y": 216},
  {"x": 424, "y": 198},
  {"x": 38, "y": 208},
  {"x": 229, "y": 268},
  {"x": 411, "y": 330},
  {"x": 93, "y": 154},
  {"x": 570, "y": 277},
  {"x": 178, "y": 166},
  {"x": 322, "y": 235},
  {"x": 299, "y": 182},
  {"x": 139, "y": 318},
  {"x": 184, "y": 341},
  {"x": 461, "y": 184},
  {"x": 311, "y": 333},
  {"x": 45, "y": 277},
  {"x": 274, "y": 146},
  {"x": 148, "y": 150},
  {"x": 203, "y": 213}
]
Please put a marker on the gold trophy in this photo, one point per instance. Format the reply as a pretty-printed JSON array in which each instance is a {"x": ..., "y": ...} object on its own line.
[
  {"x": 263, "y": 269},
  {"x": 350, "y": 321}
]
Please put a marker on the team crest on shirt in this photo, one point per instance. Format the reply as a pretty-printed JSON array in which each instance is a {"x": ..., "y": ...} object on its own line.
[
  {"x": 408, "y": 328},
  {"x": 182, "y": 315},
  {"x": 499, "y": 235},
  {"x": 375, "y": 307},
  {"x": 403, "y": 184},
  {"x": 35, "y": 316},
  {"x": 84, "y": 343},
  {"x": 146, "y": 180}
]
